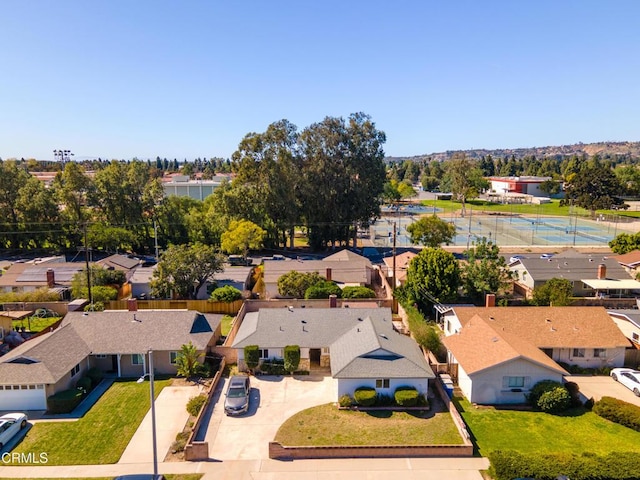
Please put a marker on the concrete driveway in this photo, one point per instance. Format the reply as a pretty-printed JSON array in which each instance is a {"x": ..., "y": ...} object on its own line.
[
  {"x": 598, "y": 387},
  {"x": 273, "y": 400}
]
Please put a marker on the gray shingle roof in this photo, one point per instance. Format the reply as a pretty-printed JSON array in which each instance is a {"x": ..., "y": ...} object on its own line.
[
  {"x": 108, "y": 333},
  {"x": 572, "y": 268},
  {"x": 372, "y": 349},
  {"x": 305, "y": 327}
]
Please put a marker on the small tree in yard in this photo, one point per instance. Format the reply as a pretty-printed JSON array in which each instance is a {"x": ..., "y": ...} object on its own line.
[
  {"x": 187, "y": 360},
  {"x": 252, "y": 356},
  {"x": 226, "y": 294},
  {"x": 291, "y": 358},
  {"x": 555, "y": 291}
]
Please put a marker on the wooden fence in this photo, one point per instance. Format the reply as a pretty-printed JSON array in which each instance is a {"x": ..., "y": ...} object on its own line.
[{"x": 203, "y": 306}]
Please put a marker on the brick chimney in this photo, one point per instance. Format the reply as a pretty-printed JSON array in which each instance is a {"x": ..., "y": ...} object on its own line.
[
  {"x": 333, "y": 301},
  {"x": 490, "y": 300},
  {"x": 51, "y": 278},
  {"x": 328, "y": 274},
  {"x": 602, "y": 271},
  {"x": 132, "y": 305}
]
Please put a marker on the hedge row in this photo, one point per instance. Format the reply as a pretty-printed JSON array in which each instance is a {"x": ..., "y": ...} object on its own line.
[
  {"x": 368, "y": 397},
  {"x": 618, "y": 411},
  {"x": 65, "y": 401},
  {"x": 506, "y": 465}
]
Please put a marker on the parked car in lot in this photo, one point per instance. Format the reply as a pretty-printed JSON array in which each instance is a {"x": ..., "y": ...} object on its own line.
[
  {"x": 237, "y": 396},
  {"x": 10, "y": 424},
  {"x": 627, "y": 377}
]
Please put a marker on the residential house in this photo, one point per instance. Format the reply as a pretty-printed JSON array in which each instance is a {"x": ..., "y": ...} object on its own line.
[
  {"x": 29, "y": 276},
  {"x": 402, "y": 265},
  {"x": 7, "y": 318},
  {"x": 123, "y": 263},
  {"x": 346, "y": 268},
  {"x": 359, "y": 345},
  {"x": 589, "y": 276},
  {"x": 115, "y": 342},
  {"x": 584, "y": 336},
  {"x": 628, "y": 321},
  {"x": 140, "y": 282},
  {"x": 630, "y": 261}
]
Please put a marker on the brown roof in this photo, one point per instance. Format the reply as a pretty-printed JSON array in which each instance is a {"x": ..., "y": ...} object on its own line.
[
  {"x": 549, "y": 327},
  {"x": 481, "y": 345},
  {"x": 630, "y": 259}
]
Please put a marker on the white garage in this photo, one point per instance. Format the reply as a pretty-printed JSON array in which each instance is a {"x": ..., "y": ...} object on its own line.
[{"x": 23, "y": 397}]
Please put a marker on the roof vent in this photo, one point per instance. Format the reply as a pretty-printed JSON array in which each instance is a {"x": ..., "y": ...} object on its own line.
[
  {"x": 303, "y": 321},
  {"x": 360, "y": 319},
  {"x": 384, "y": 336},
  {"x": 491, "y": 318},
  {"x": 290, "y": 308},
  {"x": 591, "y": 259},
  {"x": 553, "y": 329},
  {"x": 494, "y": 339},
  {"x": 281, "y": 329},
  {"x": 548, "y": 320}
]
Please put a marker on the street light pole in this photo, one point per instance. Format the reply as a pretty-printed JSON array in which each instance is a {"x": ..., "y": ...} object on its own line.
[{"x": 153, "y": 413}]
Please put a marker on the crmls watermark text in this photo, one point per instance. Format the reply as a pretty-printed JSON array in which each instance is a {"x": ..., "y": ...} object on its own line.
[{"x": 24, "y": 458}]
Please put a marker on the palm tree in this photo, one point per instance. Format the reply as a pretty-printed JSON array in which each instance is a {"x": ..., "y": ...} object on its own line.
[{"x": 187, "y": 360}]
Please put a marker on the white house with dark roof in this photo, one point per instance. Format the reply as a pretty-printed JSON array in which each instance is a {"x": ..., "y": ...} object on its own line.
[
  {"x": 590, "y": 276},
  {"x": 628, "y": 321},
  {"x": 358, "y": 344},
  {"x": 115, "y": 342}
]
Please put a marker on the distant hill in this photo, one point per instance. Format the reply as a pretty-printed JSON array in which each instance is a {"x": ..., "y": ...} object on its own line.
[{"x": 604, "y": 149}]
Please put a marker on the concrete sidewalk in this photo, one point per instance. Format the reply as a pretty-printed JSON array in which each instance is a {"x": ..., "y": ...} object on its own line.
[
  {"x": 171, "y": 417},
  {"x": 334, "y": 469}
]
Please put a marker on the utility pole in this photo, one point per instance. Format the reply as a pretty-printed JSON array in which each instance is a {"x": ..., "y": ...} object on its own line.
[
  {"x": 395, "y": 231},
  {"x": 155, "y": 238},
  {"x": 86, "y": 260}
]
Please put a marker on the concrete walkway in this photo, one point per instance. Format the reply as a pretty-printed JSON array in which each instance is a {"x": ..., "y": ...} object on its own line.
[
  {"x": 338, "y": 469},
  {"x": 171, "y": 417}
]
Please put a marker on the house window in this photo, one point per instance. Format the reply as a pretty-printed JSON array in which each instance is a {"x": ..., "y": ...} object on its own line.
[
  {"x": 75, "y": 370},
  {"x": 578, "y": 352},
  {"x": 382, "y": 383},
  {"x": 136, "y": 359},
  {"x": 173, "y": 357},
  {"x": 515, "y": 382},
  {"x": 325, "y": 350},
  {"x": 600, "y": 353},
  {"x": 101, "y": 355},
  {"x": 264, "y": 353},
  {"x": 40, "y": 387}
]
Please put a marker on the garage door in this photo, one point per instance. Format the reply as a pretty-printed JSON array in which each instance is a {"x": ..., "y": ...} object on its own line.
[{"x": 23, "y": 397}]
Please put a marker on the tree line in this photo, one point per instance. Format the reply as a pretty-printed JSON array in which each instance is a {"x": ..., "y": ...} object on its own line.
[{"x": 327, "y": 178}]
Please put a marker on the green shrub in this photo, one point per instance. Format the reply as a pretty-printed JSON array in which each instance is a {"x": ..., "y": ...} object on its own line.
[
  {"x": 323, "y": 289},
  {"x": 180, "y": 442},
  {"x": 365, "y": 396},
  {"x": 358, "y": 292},
  {"x": 94, "y": 307},
  {"x": 406, "y": 396},
  {"x": 555, "y": 401},
  {"x": 84, "y": 384},
  {"x": 539, "y": 388},
  {"x": 506, "y": 465},
  {"x": 96, "y": 375},
  {"x": 251, "y": 356},
  {"x": 291, "y": 358},
  {"x": 64, "y": 402},
  {"x": 194, "y": 405},
  {"x": 274, "y": 366},
  {"x": 345, "y": 401},
  {"x": 618, "y": 411},
  {"x": 226, "y": 294}
]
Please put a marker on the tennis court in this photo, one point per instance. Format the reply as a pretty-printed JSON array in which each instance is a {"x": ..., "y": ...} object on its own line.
[{"x": 504, "y": 230}]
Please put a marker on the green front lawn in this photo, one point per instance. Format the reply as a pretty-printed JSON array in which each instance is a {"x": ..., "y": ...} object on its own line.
[
  {"x": 225, "y": 325},
  {"x": 101, "y": 435},
  {"x": 577, "y": 431},
  {"x": 326, "y": 425},
  {"x": 35, "y": 324}
]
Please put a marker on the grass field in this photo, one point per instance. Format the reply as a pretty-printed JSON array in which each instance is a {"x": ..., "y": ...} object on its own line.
[
  {"x": 576, "y": 431},
  {"x": 225, "y": 325},
  {"x": 101, "y": 435},
  {"x": 35, "y": 324},
  {"x": 326, "y": 425}
]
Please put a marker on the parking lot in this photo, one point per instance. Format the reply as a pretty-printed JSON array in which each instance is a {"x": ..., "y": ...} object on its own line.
[
  {"x": 273, "y": 399},
  {"x": 598, "y": 387}
]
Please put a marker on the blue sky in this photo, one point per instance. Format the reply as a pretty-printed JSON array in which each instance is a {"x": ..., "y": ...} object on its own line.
[{"x": 185, "y": 79}]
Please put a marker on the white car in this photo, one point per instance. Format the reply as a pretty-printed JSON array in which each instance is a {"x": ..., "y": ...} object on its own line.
[
  {"x": 10, "y": 424},
  {"x": 627, "y": 377}
]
